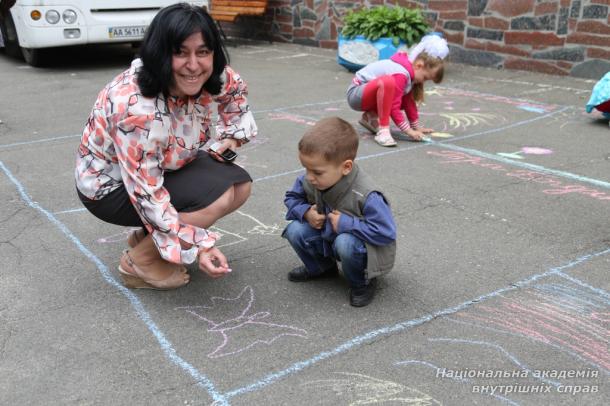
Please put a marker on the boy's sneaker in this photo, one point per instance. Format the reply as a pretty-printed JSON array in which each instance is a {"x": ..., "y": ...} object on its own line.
[
  {"x": 300, "y": 274},
  {"x": 359, "y": 297},
  {"x": 370, "y": 121},
  {"x": 384, "y": 138}
]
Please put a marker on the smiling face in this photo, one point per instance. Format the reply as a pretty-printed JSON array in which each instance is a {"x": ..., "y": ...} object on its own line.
[
  {"x": 192, "y": 66},
  {"x": 322, "y": 173}
]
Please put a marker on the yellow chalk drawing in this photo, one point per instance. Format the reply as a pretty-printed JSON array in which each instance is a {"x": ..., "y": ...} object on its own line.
[
  {"x": 441, "y": 135},
  {"x": 366, "y": 390},
  {"x": 431, "y": 92},
  {"x": 457, "y": 120}
]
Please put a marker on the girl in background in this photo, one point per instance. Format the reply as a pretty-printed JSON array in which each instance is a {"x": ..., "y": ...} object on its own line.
[{"x": 386, "y": 88}]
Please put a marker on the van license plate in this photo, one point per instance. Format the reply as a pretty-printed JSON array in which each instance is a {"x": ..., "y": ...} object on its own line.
[{"x": 136, "y": 31}]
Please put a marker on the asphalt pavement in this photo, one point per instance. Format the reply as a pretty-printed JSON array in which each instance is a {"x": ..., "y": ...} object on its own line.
[{"x": 500, "y": 293}]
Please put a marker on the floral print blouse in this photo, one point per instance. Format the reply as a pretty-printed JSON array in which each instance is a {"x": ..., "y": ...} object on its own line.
[{"x": 132, "y": 140}]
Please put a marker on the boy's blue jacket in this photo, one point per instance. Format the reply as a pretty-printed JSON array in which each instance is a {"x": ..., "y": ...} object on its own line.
[{"x": 377, "y": 227}]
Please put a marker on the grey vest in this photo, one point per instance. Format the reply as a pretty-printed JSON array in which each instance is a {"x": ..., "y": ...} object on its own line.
[{"x": 348, "y": 196}]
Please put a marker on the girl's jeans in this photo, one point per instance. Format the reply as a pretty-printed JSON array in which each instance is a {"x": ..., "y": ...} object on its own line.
[{"x": 309, "y": 246}]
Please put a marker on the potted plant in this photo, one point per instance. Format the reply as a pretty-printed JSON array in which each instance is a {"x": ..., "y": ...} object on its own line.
[{"x": 371, "y": 34}]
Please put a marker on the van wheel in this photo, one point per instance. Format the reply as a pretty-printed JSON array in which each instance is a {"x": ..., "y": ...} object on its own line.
[{"x": 9, "y": 34}]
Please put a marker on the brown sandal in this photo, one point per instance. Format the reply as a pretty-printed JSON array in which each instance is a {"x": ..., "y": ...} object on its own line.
[
  {"x": 368, "y": 122},
  {"x": 134, "y": 278}
]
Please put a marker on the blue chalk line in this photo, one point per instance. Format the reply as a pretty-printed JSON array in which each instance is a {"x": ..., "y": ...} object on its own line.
[
  {"x": 525, "y": 165},
  {"x": 166, "y": 346},
  {"x": 202, "y": 380},
  {"x": 354, "y": 342}
]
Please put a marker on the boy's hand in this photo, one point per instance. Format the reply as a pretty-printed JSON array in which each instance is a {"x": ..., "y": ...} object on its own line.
[
  {"x": 425, "y": 130},
  {"x": 415, "y": 135},
  {"x": 315, "y": 219},
  {"x": 333, "y": 216}
]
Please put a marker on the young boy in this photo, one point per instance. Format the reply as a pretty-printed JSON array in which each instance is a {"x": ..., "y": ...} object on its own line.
[{"x": 338, "y": 214}]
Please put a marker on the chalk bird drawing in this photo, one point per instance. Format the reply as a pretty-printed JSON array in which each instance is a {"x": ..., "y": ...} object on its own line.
[
  {"x": 366, "y": 390},
  {"x": 223, "y": 233},
  {"x": 237, "y": 326},
  {"x": 260, "y": 227}
]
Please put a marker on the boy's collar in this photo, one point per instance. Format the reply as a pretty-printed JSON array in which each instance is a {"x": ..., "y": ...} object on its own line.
[{"x": 333, "y": 195}]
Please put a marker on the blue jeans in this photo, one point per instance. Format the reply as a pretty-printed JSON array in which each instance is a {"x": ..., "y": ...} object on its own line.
[{"x": 309, "y": 246}]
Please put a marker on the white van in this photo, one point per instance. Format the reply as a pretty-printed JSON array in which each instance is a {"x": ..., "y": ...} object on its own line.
[{"x": 33, "y": 25}]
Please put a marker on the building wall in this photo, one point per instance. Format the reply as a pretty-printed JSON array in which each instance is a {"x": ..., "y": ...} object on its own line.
[{"x": 563, "y": 37}]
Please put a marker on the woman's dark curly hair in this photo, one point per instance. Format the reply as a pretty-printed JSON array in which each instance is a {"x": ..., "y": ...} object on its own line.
[{"x": 164, "y": 37}]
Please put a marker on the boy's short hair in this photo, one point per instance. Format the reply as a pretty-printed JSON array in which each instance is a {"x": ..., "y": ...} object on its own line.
[{"x": 333, "y": 138}]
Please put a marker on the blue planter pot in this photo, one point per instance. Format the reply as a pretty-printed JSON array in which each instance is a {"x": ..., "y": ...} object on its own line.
[{"x": 357, "y": 52}]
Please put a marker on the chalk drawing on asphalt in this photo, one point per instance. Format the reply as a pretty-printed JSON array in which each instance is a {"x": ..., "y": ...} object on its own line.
[
  {"x": 571, "y": 319},
  {"x": 367, "y": 390},
  {"x": 553, "y": 185},
  {"x": 292, "y": 118},
  {"x": 237, "y": 326},
  {"x": 522, "y": 104},
  {"x": 243, "y": 159},
  {"x": 117, "y": 237},
  {"x": 438, "y": 134},
  {"x": 466, "y": 120},
  {"x": 236, "y": 238},
  {"x": 533, "y": 109},
  {"x": 455, "y": 378},
  {"x": 260, "y": 227},
  {"x": 225, "y": 237},
  {"x": 524, "y": 370},
  {"x": 121, "y": 237},
  {"x": 526, "y": 151}
]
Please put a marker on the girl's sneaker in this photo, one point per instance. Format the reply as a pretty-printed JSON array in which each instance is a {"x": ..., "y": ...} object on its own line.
[
  {"x": 384, "y": 138},
  {"x": 370, "y": 121}
]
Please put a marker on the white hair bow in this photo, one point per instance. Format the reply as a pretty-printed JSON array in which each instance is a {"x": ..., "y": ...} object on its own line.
[{"x": 431, "y": 44}]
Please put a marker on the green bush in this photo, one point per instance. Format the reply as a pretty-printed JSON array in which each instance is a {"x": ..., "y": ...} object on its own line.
[{"x": 399, "y": 23}]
